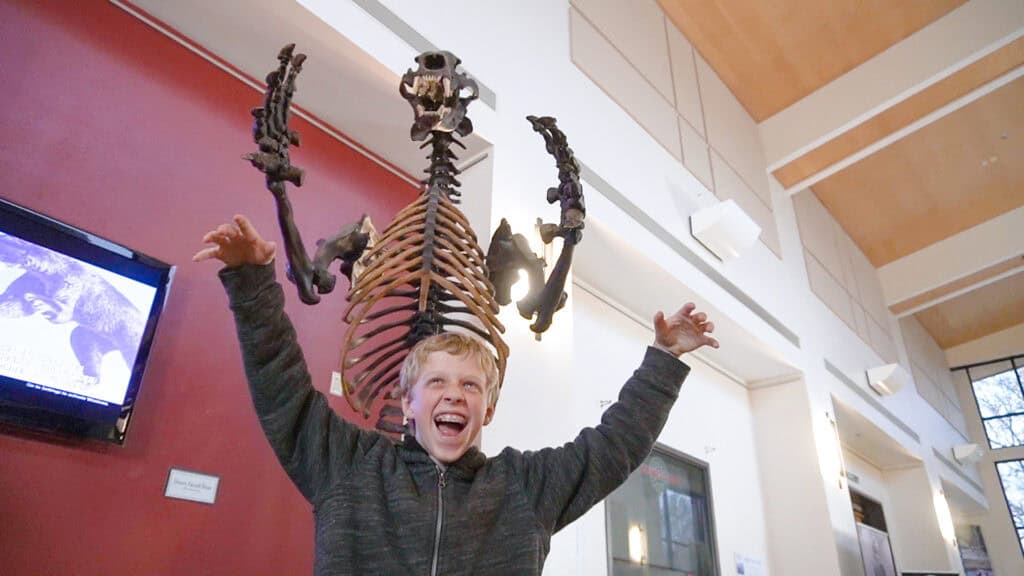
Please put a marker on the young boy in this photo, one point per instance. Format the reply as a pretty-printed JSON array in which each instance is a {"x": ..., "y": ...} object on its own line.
[{"x": 434, "y": 504}]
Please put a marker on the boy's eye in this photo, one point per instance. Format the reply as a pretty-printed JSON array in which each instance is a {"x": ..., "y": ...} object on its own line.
[{"x": 471, "y": 385}]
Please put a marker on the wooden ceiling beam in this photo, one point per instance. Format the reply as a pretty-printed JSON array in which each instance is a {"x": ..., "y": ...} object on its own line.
[
  {"x": 930, "y": 104},
  {"x": 932, "y": 54},
  {"x": 970, "y": 257}
]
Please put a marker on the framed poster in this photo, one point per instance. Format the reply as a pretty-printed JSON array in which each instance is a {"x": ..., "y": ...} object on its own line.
[
  {"x": 972, "y": 551},
  {"x": 875, "y": 551}
]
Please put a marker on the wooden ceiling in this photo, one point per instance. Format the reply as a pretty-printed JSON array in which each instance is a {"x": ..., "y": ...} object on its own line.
[
  {"x": 771, "y": 54},
  {"x": 988, "y": 309},
  {"x": 937, "y": 162},
  {"x": 943, "y": 179}
]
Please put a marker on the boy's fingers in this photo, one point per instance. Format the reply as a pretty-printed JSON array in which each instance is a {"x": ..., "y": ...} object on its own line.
[
  {"x": 699, "y": 318},
  {"x": 245, "y": 227},
  {"x": 660, "y": 325},
  {"x": 709, "y": 327},
  {"x": 225, "y": 231},
  {"x": 234, "y": 229},
  {"x": 677, "y": 317},
  {"x": 205, "y": 254},
  {"x": 711, "y": 342},
  {"x": 216, "y": 237}
]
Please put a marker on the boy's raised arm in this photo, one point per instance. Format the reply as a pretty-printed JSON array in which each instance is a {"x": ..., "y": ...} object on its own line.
[
  {"x": 236, "y": 243},
  {"x": 563, "y": 483},
  {"x": 313, "y": 444}
]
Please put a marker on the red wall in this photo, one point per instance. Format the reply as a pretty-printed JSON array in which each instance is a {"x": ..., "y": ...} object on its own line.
[{"x": 112, "y": 127}]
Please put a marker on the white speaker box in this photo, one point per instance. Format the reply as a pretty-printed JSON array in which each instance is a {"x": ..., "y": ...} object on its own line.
[
  {"x": 887, "y": 379},
  {"x": 724, "y": 229}
]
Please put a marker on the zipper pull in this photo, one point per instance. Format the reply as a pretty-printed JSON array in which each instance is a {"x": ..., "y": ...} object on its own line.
[{"x": 442, "y": 478}]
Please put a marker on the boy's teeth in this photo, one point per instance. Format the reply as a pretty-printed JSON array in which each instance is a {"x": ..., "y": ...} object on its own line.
[{"x": 454, "y": 418}]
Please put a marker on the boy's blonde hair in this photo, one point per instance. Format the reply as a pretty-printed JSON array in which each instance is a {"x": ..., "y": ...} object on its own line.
[{"x": 456, "y": 344}]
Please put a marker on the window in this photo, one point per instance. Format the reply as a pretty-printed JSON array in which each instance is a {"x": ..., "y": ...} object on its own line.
[
  {"x": 1011, "y": 474},
  {"x": 999, "y": 393},
  {"x": 660, "y": 520},
  {"x": 867, "y": 511}
]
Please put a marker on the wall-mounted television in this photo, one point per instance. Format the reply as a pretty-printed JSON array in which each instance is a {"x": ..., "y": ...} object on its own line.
[{"x": 77, "y": 319}]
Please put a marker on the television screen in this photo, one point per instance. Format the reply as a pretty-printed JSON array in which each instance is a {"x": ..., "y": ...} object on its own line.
[{"x": 77, "y": 318}]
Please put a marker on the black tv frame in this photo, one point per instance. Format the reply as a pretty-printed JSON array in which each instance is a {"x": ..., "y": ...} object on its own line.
[{"x": 22, "y": 407}]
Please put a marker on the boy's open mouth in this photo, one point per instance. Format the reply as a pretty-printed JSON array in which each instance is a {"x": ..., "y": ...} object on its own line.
[{"x": 450, "y": 425}]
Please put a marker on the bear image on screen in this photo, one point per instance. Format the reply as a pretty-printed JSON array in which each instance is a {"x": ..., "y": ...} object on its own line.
[{"x": 66, "y": 324}]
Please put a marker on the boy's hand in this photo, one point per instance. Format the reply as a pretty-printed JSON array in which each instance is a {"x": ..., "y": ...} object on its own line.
[
  {"x": 683, "y": 331},
  {"x": 236, "y": 243}
]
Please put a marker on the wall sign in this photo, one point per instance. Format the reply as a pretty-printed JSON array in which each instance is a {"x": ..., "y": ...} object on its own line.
[{"x": 194, "y": 486}]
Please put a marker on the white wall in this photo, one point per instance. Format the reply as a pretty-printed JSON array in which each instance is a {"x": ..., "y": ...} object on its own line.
[
  {"x": 869, "y": 478},
  {"x": 796, "y": 481},
  {"x": 923, "y": 546},
  {"x": 712, "y": 421}
]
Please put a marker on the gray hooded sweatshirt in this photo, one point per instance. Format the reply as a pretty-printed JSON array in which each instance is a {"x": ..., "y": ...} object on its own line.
[{"x": 387, "y": 508}]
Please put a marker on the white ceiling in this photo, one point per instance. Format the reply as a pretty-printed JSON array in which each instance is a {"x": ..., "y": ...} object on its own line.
[
  {"x": 869, "y": 442},
  {"x": 340, "y": 84}
]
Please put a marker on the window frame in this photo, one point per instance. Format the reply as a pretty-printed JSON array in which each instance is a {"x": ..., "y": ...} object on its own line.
[
  {"x": 705, "y": 468},
  {"x": 1014, "y": 367},
  {"x": 1013, "y": 526}
]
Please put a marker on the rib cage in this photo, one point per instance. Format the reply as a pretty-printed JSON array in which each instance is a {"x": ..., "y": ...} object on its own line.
[{"x": 426, "y": 274}]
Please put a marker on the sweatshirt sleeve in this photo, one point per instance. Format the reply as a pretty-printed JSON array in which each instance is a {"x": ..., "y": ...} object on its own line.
[
  {"x": 563, "y": 483},
  {"x": 314, "y": 445}
]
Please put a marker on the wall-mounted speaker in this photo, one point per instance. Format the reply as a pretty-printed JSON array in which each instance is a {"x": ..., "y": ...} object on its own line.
[{"x": 724, "y": 229}]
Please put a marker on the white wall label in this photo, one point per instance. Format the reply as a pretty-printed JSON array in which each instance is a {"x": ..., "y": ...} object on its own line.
[
  {"x": 747, "y": 566},
  {"x": 193, "y": 486}
]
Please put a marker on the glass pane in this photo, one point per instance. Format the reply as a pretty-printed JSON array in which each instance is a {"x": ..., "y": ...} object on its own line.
[
  {"x": 1005, "y": 432},
  {"x": 1011, "y": 474},
  {"x": 659, "y": 520},
  {"x": 998, "y": 394}
]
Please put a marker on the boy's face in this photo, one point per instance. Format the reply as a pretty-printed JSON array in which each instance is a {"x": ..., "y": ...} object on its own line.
[{"x": 449, "y": 404}]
